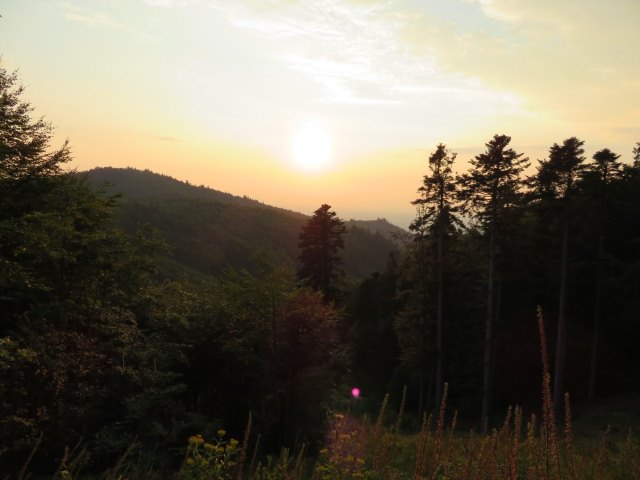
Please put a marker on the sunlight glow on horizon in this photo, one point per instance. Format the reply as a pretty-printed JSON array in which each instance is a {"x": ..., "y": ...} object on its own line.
[
  {"x": 311, "y": 147},
  {"x": 217, "y": 93}
]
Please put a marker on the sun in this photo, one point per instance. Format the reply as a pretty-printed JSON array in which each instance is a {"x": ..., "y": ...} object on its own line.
[{"x": 311, "y": 147}]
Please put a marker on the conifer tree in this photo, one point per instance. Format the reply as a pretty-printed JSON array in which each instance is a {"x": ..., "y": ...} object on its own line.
[
  {"x": 601, "y": 174},
  {"x": 490, "y": 191},
  {"x": 24, "y": 143},
  {"x": 436, "y": 217},
  {"x": 556, "y": 184},
  {"x": 320, "y": 242}
]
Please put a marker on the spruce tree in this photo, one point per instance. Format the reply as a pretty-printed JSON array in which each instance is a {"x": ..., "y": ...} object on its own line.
[
  {"x": 490, "y": 191},
  {"x": 600, "y": 176},
  {"x": 556, "y": 183},
  {"x": 320, "y": 242},
  {"x": 436, "y": 217}
]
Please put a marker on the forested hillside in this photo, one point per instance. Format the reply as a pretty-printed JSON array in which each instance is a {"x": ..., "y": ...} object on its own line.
[{"x": 207, "y": 230}]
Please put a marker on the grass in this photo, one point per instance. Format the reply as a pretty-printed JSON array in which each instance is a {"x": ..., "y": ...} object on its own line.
[{"x": 533, "y": 448}]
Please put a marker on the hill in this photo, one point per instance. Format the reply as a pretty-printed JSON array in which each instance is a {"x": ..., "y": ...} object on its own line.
[
  {"x": 208, "y": 230},
  {"x": 383, "y": 227}
]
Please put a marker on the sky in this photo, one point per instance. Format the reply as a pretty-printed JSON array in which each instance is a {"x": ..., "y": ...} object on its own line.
[{"x": 300, "y": 103}]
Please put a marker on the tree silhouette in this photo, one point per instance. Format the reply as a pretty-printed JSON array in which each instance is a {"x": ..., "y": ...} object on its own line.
[
  {"x": 320, "y": 242},
  {"x": 490, "y": 191},
  {"x": 435, "y": 218},
  {"x": 24, "y": 143},
  {"x": 556, "y": 183},
  {"x": 599, "y": 177}
]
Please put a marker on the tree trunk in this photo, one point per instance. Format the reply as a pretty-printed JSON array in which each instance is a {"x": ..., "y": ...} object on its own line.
[
  {"x": 421, "y": 395},
  {"x": 439, "y": 351},
  {"x": 488, "y": 337},
  {"x": 596, "y": 321},
  {"x": 561, "y": 341}
]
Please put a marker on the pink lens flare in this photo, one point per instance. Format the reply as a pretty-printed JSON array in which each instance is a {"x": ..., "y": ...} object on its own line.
[{"x": 355, "y": 392}]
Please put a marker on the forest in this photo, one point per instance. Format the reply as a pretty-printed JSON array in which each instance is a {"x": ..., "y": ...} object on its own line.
[{"x": 201, "y": 335}]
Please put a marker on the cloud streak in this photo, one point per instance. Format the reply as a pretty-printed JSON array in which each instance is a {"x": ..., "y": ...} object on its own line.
[
  {"x": 90, "y": 18},
  {"x": 356, "y": 49}
]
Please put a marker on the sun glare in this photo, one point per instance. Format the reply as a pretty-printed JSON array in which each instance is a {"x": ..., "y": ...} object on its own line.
[{"x": 311, "y": 147}]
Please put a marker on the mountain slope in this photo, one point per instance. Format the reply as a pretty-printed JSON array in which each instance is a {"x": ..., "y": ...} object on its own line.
[
  {"x": 383, "y": 227},
  {"x": 208, "y": 230}
]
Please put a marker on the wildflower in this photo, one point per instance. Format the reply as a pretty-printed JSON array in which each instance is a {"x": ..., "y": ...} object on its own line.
[
  {"x": 222, "y": 433},
  {"x": 209, "y": 446},
  {"x": 190, "y": 461}
]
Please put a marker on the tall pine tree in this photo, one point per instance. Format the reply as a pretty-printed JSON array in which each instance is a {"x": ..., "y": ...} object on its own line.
[
  {"x": 490, "y": 191},
  {"x": 556, "y": 184},
  {"x": 435, "y": 219},
  {"x": 600, "y": 176},
  {"x": 320, "y": 242}
]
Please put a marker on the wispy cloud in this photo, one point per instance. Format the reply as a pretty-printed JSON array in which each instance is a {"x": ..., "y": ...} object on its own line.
[
  {"x": 356, "y": 49},
  {"x": 94, "y": 18},
  {"x": 169, "y": 3},
  {"x": 91, "y": 18},
  {"x": 167, "y": 138}
]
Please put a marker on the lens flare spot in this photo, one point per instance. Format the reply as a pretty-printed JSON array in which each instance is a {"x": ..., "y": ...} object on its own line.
[{"x": 355, "y": 392}]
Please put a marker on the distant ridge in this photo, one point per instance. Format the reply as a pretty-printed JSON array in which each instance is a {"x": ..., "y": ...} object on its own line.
[
  {"x": 144, "y": 184},
  {"x": 382, "y": 227},
  {"x": 208, "y": 230}
]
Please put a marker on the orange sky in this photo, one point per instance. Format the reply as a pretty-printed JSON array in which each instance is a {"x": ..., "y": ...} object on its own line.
[{"x": 214, "y": 91}]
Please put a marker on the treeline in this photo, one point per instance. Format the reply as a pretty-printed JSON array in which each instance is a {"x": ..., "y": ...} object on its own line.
[
  {"x": 488, "y": 246},
  {"x": 103, "y": 347}
]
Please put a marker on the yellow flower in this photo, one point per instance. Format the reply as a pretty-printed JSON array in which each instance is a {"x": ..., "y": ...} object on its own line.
[
  {"x": 233, "y": 442},
  {"x": 324, "y": 451},
  {"x": 221, "y": 433},
  {"x": 219, "y": 450},
  {"x": 209, "y": 446},
  {"x": 190, "y": 461}
]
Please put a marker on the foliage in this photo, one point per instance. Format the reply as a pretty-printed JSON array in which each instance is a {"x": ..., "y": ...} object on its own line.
[
  {"x": 320, "y": 242},
  {"x": 207, "y": 230},
  {"x": 493, "y": 185},
  {"x": 436, "y": 204},
  {"x": 217, "y": 460},
  {"x": 111, "y": 345}
]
